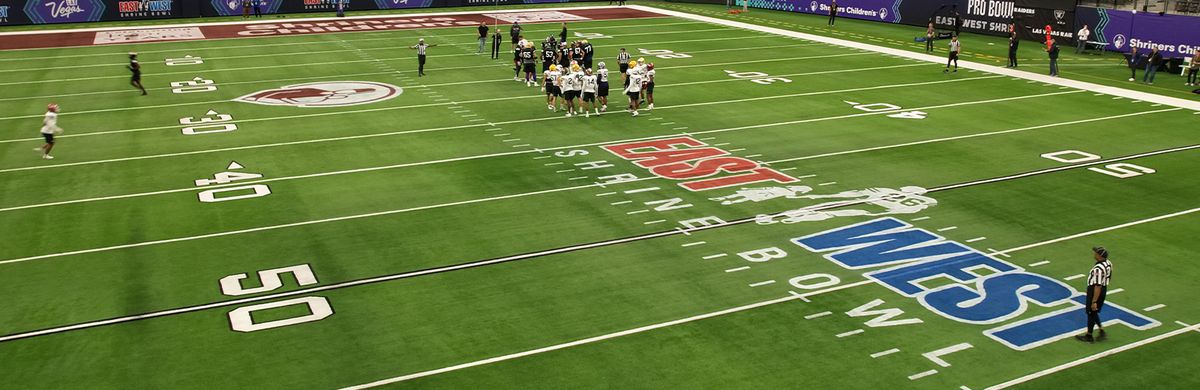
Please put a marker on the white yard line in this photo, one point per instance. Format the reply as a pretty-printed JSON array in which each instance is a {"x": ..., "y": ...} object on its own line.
[
  {"x": 364, "y": 136},
  {"x": 1094, "y": 357},
  {"x": 457, "y": 159},
  {"x": 1091, "y": 87},
  {"x": 715, "y": 314},
  {"x": 210, "y": 102}
]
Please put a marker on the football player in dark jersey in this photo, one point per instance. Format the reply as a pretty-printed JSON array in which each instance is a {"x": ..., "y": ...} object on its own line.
[
  {"x": 548, "y": 53},
  {"x": 564, "y": 56},
  {"x": 136, "y": 68},
  {"x": 577, "y": 53},
  {"x": 529, "y": 64},
  {"x": 517, "y": 63},
  {"x": 587, "y": 54}
]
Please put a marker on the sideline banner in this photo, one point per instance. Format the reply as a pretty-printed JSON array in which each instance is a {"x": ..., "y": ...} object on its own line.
[
  {"x": 17, "y": 12},
  {"x": 1173, "y": 35},
  {"x": 975, "y": 16}
]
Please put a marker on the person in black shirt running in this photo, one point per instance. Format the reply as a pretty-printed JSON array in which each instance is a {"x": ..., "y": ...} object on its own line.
[{"x": 136, "y": 68}]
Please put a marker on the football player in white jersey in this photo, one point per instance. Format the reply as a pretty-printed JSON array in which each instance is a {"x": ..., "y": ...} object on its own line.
[
  {"x": 589, "y": 93},
  {"x": 572, "y": 83},
  {"x": 634, "y": 90},
  {"x": 49, "y": 130},
  {"x": 602, "y": 86},
  {"x": 550, "y": 78}
]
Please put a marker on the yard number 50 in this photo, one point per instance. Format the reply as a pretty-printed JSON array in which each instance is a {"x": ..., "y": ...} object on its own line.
[{"x": 240, "y": 319}]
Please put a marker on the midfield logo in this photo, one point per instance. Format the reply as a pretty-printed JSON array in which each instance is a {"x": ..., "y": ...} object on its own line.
[{"x": 324, "y": 94}]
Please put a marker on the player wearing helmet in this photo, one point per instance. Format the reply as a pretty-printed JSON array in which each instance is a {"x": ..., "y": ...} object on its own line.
[
  {"x": 634, "y": 89},
  {"x": 529, "y": 64},
  {"x": 552, "y": 89},
  {"x": 49, "y": 130},
  {"x": 572, "y": 83},
  {"x": 602, "y": 86},
  {"x": 589, "y": 93}
]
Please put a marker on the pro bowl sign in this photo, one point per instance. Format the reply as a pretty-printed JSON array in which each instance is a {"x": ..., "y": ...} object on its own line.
[{"x": 64, "y": 11}]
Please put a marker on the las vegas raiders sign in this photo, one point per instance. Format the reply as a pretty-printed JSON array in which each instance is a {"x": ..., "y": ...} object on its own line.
[{"x": 324, "y": 94}]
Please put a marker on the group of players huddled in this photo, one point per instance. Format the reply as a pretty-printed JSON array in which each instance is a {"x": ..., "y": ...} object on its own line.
[{"x": 570, "y": 83}]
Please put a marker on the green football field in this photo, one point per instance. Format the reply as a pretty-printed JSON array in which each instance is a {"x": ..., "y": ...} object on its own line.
[{"x": 458, "y": 234}]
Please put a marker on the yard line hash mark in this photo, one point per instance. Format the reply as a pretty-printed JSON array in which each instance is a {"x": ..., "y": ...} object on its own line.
[
  {"x": 710, "y": 257},
  {"x": 850, "y": 333},
  {"x": 762, "y": 283},
  {"x": 817, "y": 315},
  {"x": 884, "y": 353}
]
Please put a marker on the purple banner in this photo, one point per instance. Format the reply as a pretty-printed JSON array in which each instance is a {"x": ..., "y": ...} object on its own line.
[
  {"x": 1172, "y": 35},
  {"x": 875, "y": 10},
  {"x": 395, "y": 4},
  {"x": 236, "y": 7},
  {"x": 64, "y": 11}
]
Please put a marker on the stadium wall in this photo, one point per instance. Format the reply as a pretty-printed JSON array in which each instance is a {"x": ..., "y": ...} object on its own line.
[
  {"x": 1173, "y": 35},
  {"x": 990, "y": 17},
  {"x": 22, "y": 12}
]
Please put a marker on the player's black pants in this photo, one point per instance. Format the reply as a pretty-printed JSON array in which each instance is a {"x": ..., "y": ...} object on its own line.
[
  {"x": 420, "y": 64},
  {"x": 1094, "y": 316},
  {"x": 1012, "y": 58},
  {"x": 929, "y": 44},
  {"x": 832, "y": 18},
  {"x": 1191, "y": 75},
  {"x": 953, "y": 58}
]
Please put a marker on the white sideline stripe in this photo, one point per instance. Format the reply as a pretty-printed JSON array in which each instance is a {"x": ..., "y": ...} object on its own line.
[
  {"x": 390, "y": 36},
  {"x": 601, "y": 337},
  {"x": 1093, "y": 357},
  {"x": 672, "y": 323},
  {"x": 1077, "y": 85},
  {"x": 398, "y": 15},
  {"x": 817, "y": 315},
  {"x": 885, "y": 353},
  {"x": 370, "y": 169}
]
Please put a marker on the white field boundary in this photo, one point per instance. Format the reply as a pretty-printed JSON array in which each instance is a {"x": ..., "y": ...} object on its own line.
[
  {"x": 756, "y": 305},
  {"x": 390, "y": 36},
  {"x": 398, "y": 15},
  {"x": 1115, "y": 91},
  {"x": 554, "y": 148}
]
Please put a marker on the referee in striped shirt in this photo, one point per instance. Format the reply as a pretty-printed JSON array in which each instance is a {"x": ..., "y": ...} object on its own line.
[
  {"x": 1097, "y": 288},
  {"x": 421, "y": 46},
  {"x": 623, "y": 63}
]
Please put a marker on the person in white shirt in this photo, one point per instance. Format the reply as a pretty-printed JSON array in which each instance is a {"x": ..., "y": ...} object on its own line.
[
  {"x": 649, "y": 87},
  {"x": 634, "y": 90},
  {"x": 551, "y": 87},
  {"x": 1082, "y": 38},
  {"x": 602, "y": 86},
  {"x": 49, "y": 130},
  {"x": 589, "y": 93}
]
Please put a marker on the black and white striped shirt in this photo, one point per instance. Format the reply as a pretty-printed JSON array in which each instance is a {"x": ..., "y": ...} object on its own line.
[
  {"x": 420, "y": 48},
  {"x": 1100, "y": 274},
  {"x": 623, "y": 58}
]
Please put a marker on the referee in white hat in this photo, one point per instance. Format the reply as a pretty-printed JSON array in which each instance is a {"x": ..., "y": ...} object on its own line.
[
  {"x": 1097, "y": 288},
  {"x": 421, "y": 46}
]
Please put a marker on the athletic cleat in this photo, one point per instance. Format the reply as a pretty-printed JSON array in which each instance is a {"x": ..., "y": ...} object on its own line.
[
  {"x": 635, "y": 113},
  {"x": 568, "y": 115},
  {"x": 47, "y": 157},
  {"x": 587, "y": 114},
  {"x": 1131, "y": 79},
  {"x": 1087, "y": 338},
  {"x": 650, "y": 107}
]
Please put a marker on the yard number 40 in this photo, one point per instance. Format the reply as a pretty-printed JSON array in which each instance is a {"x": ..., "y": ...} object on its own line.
[{"x": 241, "y": 319}]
